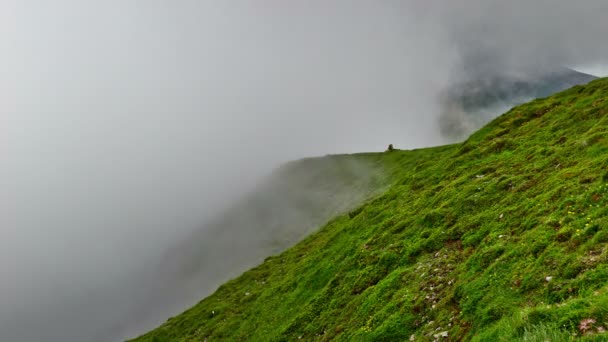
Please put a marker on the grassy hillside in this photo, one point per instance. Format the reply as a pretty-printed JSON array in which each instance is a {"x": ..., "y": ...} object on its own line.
[
  {"x": 286, "y": 206},
  {"x": 502, "y": 237}
]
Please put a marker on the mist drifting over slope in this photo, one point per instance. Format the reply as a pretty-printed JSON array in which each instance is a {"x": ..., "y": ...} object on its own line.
[{"x": 126, "y": 124}]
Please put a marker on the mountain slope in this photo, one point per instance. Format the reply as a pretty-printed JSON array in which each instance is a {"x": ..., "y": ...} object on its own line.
[{"x": 502, "y": 237}]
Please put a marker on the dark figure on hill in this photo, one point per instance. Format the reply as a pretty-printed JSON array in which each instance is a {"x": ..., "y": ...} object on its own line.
[{"x": 390, "y": 148}]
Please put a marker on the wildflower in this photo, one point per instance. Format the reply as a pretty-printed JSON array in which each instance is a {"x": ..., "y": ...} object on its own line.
[{"x": 586, "y": 324}]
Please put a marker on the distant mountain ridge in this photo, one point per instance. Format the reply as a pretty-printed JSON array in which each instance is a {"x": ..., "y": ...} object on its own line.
[{"x": 470, "y": 104}]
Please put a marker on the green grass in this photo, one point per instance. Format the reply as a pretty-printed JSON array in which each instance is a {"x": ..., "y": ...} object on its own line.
[{"x": 499, "y": 238}]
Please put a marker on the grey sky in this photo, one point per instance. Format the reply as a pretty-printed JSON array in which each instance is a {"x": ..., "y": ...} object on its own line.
[{"x": 125, "y": 124}]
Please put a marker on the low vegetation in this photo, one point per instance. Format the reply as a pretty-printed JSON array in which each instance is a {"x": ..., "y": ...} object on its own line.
[{"x": 499, "y": 238}]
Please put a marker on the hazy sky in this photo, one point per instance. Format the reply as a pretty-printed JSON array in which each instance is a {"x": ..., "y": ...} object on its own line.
[
  {"x": 600, "y": 70},
  {"x": 125, "y": 124}
]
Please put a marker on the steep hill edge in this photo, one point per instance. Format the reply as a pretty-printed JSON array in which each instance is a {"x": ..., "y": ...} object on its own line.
[{"x": 287, "y": 205}]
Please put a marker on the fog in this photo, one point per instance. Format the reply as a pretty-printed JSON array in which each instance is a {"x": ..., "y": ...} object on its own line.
[{"x": 128, "y": 124}]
